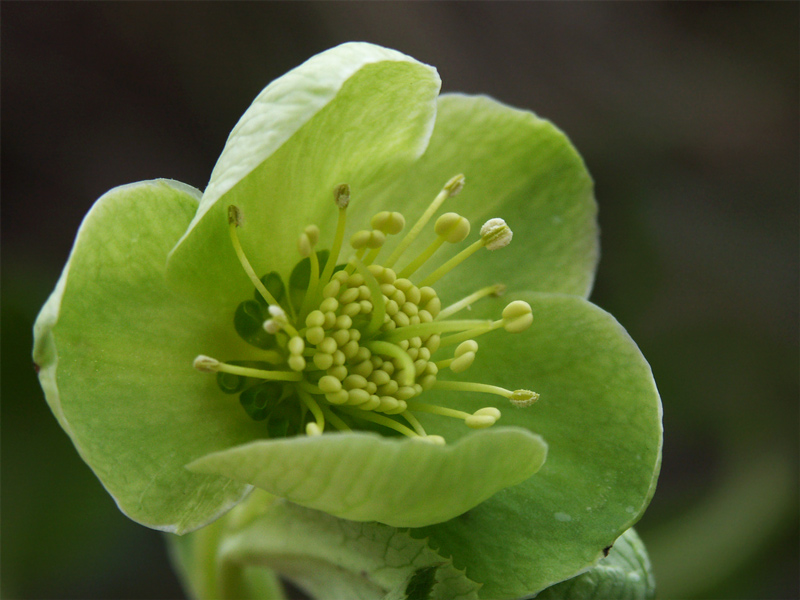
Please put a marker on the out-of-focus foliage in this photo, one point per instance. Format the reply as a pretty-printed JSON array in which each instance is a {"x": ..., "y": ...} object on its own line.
[{"x": 686, "y": 115}]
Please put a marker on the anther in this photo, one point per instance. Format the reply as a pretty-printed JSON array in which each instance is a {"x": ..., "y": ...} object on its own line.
[
  {"x": 523, "y": 398},
  {"x": 450, "y": 189},
  {"x": 494, "y": 234},
  {"x": 234, "y": 222},
  {"x": 517, "y": 316},
  {"x": 450, "y": 227}
]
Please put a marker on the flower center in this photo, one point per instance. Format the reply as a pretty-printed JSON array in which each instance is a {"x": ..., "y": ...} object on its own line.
[{"x": 356, "y": 345}]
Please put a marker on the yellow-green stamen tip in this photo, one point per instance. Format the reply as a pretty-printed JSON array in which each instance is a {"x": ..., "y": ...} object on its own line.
[
  {"x": 341, "y": 195},
  {"x": 496, "y": 234},
  {"x": 517, "y": 316},
  {"x": 523, "y": 398}
]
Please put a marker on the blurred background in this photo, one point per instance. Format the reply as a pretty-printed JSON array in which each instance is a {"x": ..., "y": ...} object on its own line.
[{"x": 686, "y": 115}]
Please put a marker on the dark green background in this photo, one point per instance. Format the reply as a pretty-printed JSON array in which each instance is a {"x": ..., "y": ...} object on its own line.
[{"x": 686, "y": 114}]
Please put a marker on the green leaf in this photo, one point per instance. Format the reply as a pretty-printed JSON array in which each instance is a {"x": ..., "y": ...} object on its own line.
[
  {"x": 115, "y": 347},
  {"x": 600, "y": 413},
  {"x": 327, "y": 557},
  {"x": 356, "y": 114},
  {"x": 366, "y": 477},
  {"x": 625, "y": 574},
  {"x": 517, "y": 167}
]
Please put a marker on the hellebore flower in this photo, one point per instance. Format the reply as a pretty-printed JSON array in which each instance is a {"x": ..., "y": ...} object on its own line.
[{"x": 286, "y": 329}]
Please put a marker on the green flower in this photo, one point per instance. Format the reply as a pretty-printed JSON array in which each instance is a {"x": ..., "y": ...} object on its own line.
[{"x": 356, "y": 379}]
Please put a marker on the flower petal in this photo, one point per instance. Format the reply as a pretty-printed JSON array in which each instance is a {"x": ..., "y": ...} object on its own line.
[
  {"x": 517, "y": 167},
  {"x": 115, "y": 347},
  {"x": 600, "y": 413},
  {"x": 356, "y": 114},
  {"x": 366, "y": 477}
]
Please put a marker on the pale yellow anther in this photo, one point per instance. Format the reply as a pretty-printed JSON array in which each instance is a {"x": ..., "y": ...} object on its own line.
[
  {"x": 315, "y": 335},
  {"x": 360, "y": 239},
  {"x": 517, "y": 316},
  {"x": 296, "y": 363},
  {"x": 437, "y": 440},
  {"x": 489, "y": 411},
  {"x": 523, "y": 398},
  {"x": 390, "y": 223},
  {"x": 323, "y": 361},
  {"x": 455, "y": 185},
  {"x": 315, "y": 319},
  {"x": 312, "y": 232},
  {"x": 329, "y": 384},
  {"x": 296, "y": 345},
  {"x": 452, "y": 227},
  {"x": 479, "y": 421},
  {"x": 206, "y": 364},
  {"x": 462, "y": 362},
  {"x": 313, "y": 429},
  {"x": 271, "y": 326},
  {"x": 340, "y": 397},
  {"x": 304, "y": 245},
  {"x": 341, "y": 195},
  {"x": 467, "y": 346},
  {"x": 496, "y": 234}
]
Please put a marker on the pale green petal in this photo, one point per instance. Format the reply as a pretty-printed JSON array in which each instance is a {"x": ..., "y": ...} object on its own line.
[
  {"x": 520, "y": 168},
  {"x": 327, "y": 557},
  {"x": 600, "y": 413},
  {"x": 366, "y": 477},
  {"x": 356, "y": 114},
  {"x": 625, "y": 574},
  {"x": 115, "y": 347}
]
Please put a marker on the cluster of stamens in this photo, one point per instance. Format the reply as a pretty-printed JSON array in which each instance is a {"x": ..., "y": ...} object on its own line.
[{"x": 352, "y": 345}]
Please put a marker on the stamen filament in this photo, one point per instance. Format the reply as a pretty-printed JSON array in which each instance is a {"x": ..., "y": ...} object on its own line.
[
  {"x": 212, "y": 365},
  {"x": 380, "y": 420},
  {"x": 372, "y": 255},
  {"x": 334, "y": 419},
  {"x": 468, "y": 386},
  {"x": 495, "y": 289},
  {"x": 414, "y": 423},
  {"x": 378, "y": 305},
  {"x": 412, "y": 267},
  {"x": 453, "y": 263},
  {"x": 450, "y": 189},
  {"x": 389, "y": 349},
  {"x": 335, "y": 249},
  {"x": 423, "y": 329},
  {"x": 233, "y": 224},
  {"x": 313, "y": 284},
  {"x": 457, "y": 338},
  {"x": 312, "y": 405},
  {"x": 438, "y": 410}
]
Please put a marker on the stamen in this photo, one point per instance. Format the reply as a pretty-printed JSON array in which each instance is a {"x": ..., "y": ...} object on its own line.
[
  {"x": 278, "y": 321},
  {"x": 335, "y": 420},
  {"x": 495, "y": 234},
  {"x": 206, "y": 364},
  {"x": 414, "y": 423},
  {"x": 234, "y": 221},
  {"x": 380, "y": 420},
  {"x": 306, "y": 244},
  {"x": 497, "y": 289},
  {"x": 462, "y": 359},
  {"x": 517, "y": 316},
  {"x": 450, "y": 189},
  {"x": 341, "y": 197},
  {"x": 450, "y": 227},
  {"x": 378, "y": 305},
  {"x": 517, "y": 397},
  {"x": 480, "y": 419},
  {"x": 315, "y": 409},
  {"x": 423, "y": 329},
  {"x": 389, "y": 349}
]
